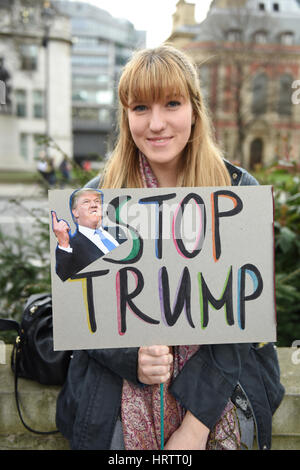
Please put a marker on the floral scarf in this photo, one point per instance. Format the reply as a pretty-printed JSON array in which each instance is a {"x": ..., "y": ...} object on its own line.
[{"x": 140, "y": 410}]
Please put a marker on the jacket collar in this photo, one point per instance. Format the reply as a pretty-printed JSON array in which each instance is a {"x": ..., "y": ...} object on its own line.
[{"x": 234, "y": 172}]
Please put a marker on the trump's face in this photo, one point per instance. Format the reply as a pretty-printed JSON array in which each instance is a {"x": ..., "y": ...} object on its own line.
[{"x": 88, "y": 211}]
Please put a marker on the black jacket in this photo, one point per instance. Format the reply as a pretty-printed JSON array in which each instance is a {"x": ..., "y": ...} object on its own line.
[{"x": 90, "y": 400}]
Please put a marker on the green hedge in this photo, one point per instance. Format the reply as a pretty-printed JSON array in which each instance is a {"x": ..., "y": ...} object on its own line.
[{"x": 285, "y": 179}]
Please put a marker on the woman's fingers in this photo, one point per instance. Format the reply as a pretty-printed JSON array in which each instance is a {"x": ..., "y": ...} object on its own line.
[{"x": 154, "y": 364}]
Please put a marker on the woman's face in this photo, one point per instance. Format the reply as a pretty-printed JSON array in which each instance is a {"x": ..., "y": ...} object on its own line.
[{"x": 161, "y": 129}]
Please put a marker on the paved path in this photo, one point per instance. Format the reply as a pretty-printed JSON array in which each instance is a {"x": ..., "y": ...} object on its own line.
[
  {"x": 31, "y": 197},
  {"x": 22, "y": 191}
]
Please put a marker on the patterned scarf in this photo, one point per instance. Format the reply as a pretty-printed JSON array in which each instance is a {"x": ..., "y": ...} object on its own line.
[{"x": 140, "y": 410}]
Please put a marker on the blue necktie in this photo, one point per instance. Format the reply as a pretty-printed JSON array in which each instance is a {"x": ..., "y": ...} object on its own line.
[{"x": 107, "y": 243}]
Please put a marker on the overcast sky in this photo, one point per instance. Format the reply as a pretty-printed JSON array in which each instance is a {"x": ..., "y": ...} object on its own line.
[{"x": 154, "y": 16}]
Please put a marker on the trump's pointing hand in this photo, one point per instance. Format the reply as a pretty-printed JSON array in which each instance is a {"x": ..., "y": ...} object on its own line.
[{"x": 61, "y": 230}]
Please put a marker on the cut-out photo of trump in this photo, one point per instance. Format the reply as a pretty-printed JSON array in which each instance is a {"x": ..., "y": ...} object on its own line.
[{"x": 90, "y": 241}]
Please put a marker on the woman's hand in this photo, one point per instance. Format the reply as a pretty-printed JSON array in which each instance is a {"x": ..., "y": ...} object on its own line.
[
  {"x": 154, "y": 364},
  {"x": 191, "y": 435}
]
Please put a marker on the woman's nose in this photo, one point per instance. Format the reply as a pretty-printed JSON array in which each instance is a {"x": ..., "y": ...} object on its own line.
[{"x": 157, "y": 120}]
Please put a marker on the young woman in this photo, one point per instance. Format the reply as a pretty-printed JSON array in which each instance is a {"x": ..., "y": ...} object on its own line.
[{"x": 213, "y": 393}]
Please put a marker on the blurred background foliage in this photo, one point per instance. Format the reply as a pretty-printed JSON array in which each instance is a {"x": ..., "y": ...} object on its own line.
[
  {"x": 25, "y": 262},
  {"x": 285, "y": 179}
]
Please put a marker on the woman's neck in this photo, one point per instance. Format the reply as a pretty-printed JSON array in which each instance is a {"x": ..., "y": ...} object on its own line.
[{"x": 166, "y": 176}]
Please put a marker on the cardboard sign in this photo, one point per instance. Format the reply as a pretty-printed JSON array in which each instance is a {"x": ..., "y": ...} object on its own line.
[{"x": 191, "y": 266}]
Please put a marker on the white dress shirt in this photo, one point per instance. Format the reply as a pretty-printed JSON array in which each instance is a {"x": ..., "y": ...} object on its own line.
[{"x": 91, "y": 235}]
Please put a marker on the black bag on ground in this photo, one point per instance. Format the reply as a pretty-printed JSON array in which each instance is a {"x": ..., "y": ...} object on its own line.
[{"x": 33, "y": 356}]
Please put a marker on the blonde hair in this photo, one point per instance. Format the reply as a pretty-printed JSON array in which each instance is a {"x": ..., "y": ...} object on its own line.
[{"x": 150, "y": 75}]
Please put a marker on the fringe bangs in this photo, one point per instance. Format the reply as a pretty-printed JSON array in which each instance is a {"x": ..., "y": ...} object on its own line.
[{"x": 151, "y": 80}]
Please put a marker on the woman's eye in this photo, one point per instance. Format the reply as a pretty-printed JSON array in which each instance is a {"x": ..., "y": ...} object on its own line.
[
  {"x": 173, "y": 104},
  {"x": 140, "y": 107}
]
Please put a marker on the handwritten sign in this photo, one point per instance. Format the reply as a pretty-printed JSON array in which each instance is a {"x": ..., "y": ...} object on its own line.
[{"x": 195, "y": 266}]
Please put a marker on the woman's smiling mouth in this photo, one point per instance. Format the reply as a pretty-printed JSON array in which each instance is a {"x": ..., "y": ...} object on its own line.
[{"x": 159, "y": 140}]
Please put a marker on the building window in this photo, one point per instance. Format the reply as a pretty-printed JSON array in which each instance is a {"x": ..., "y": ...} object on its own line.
[
  {"x": 91, "y": 79},
  {"x": 38, "y": 104},
  {"x": 104, "y": 116},
  {"x": 233, "y": 35},
  {"x": 29, "y": 56},
  {"x": 259, "y": 94},
  {"x": 260, "y": 37},
  {"x": 21, "y": 104},
  {"x": 24, "y": 146},
  {"x": 122, "y": 55},
  {"x": 39, "y": 145},
  {"x": 261, "y": 6},
  {"x": 285, "y": 92},
  {"x": 93, "y": 97},
  {"x": 90, "y": 61},
  {"x": 84, "y": 113},
  {"x": 287, "y": 39},
  {"x": 120, "y": 60},
  {"x": 85, "y": 42},
  {"x": 105, "y": 97},
  {"x": 276, "y": 6}
]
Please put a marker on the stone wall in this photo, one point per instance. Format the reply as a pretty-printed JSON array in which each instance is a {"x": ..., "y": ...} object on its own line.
[{"x": 39, "y": 402}]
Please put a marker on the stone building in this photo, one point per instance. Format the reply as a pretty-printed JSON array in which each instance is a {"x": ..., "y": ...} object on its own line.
[
  {"x": 248, "y": 55},
  {"x": 102, "y": 44},
  {"x": 35, "y": 44}
]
